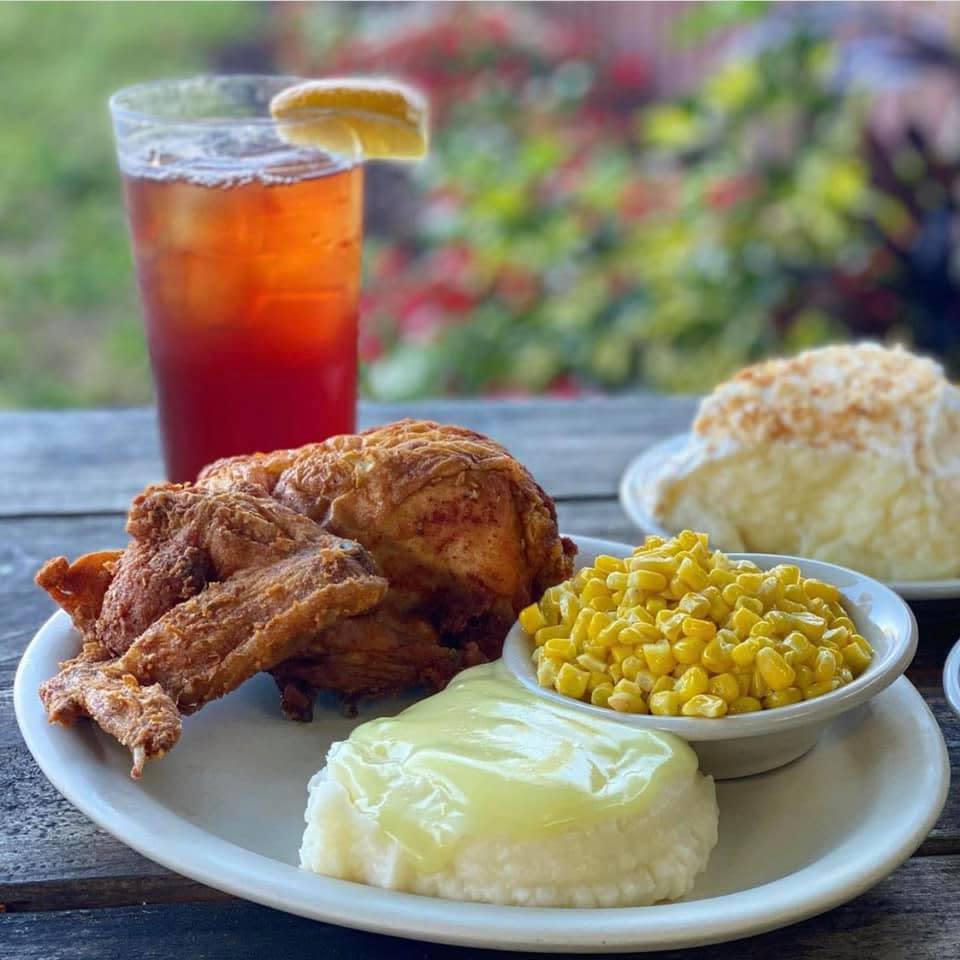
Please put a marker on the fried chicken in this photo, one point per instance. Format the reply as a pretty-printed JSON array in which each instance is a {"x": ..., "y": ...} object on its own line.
[
  {"x": 167, "y": 636},
  {"x": 460, "y": 529}
]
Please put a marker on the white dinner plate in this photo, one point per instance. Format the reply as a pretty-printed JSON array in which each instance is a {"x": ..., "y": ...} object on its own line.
[
  {"x": 644, "y": 469},
  {"x": 226, "y": 808},
  {"x": 951, "y": 678}
]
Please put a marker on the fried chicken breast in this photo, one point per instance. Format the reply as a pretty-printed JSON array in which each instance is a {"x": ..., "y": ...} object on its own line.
[{"x": 460, "y": 529}]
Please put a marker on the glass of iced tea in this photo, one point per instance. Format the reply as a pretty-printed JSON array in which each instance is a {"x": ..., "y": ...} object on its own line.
[{"x": 247, "y": 252}]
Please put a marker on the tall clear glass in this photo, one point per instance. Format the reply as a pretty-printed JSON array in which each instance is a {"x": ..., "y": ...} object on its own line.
[{"x": 247, "y": 252}]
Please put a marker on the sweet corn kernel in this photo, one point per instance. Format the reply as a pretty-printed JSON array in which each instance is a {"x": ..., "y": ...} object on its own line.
[
  {"x": 591, "y": 664},
  {"x": 550, "y": 633},
  {"x": 597, "y": 679},
  {"x": 547, "y": 671},
  {"x": 532, "y": 619},
  {"x": 627, "y": 703},
  {"x": 731, "y": 593},
  {"x": 855, "y": 658},
  {"x": 783, "y": 698},
  {"x": 688, "y": 651},
  {"x": 646, "y": 680},
  {"x": 819, "y": 688},
  {"x": 745, "y": 705},
  {"x": 616, "y": 674},
  {"x": 639, "y": 633},
  {"x": 805, "y": 677},
  {"x": 603, "y": 603},
  {"x": 659, "y": 657},
  {"x": 580, "y": 631},
  {"x": 697, "y": 628},
  {"x": 721, "y": 578},
  {"x": 572, "y": 681},
  {"x": 725, "y": 686},
  {"x": 741, "y": 620},
  {"x": 663, "y": 683},
  {"x": 692, "y": 574},
  {"x": 609, "y": 564},
  {"x": 666, "y": 703},
  {"x": 599, "y": 621},
  {"x": 704, "y": 705},
  {"x": 694, "y": 604},
  {"x": 561, "y": 649},
  {"x": 823, "y": 591},
  {"x": 596, "y": 651},
  {"x": 631, "y": 666},
  {"x": 825, "y": 665},
  {"x": 695, "y": 680},
  {"x": 743, "y": 654},
  {"x": 655, "y": 604},
  {"x": 601, "y": 694},
  {"x": 750, "y": 582},
  {"x": 649, "y": 580},
  {"x": 716, "y": 656},
  {"x": 776, "y": 672}
]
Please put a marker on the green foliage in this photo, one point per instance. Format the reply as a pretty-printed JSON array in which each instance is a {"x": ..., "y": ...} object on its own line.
[{"x": 70, "y": 331}]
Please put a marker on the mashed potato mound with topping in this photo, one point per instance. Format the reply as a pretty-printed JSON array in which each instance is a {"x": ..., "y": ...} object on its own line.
[{"x": 618, "y": 862}]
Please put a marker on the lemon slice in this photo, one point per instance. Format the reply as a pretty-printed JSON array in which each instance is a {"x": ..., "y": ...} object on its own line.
[{"x": 387, "y": 119}]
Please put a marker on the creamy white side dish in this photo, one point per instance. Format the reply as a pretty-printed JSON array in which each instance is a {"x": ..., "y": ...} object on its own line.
[
  {"x": 488, "y": 792},
  {"x": 849, "y": 454}
]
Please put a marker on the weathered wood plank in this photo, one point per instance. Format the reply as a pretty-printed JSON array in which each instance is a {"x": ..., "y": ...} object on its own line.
[
  {"x": 912, "y": 913},
  {"x": 94, "y": 461}
]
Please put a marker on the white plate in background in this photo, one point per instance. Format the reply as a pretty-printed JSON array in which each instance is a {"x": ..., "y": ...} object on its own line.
[{"x": 645, "y": 468}]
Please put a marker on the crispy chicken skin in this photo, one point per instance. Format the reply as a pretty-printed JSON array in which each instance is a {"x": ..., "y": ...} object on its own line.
[
  {"x": 459, "y": 527},
  {"x": 272, "y": 580}
]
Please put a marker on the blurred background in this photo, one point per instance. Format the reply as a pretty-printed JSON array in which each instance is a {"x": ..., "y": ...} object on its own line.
[{"x": 619, "y": 196}]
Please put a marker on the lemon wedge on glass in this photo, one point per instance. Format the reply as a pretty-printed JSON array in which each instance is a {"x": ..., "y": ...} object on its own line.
[{"x": 386, "y": 119}]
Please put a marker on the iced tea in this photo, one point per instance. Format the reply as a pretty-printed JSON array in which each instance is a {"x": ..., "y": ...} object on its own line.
[{"x": 248, "y": 262}]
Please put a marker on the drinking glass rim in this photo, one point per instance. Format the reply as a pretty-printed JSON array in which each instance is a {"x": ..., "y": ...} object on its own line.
[{"x": 119, "y": 111}]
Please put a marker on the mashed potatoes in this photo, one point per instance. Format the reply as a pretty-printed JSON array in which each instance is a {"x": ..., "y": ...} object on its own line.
[
  {"x": 845, "y": 454},
  {"x": 487, "y": 792}
]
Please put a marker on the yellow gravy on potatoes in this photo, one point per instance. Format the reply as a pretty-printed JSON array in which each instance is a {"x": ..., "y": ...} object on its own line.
[{"x": 488, "y": 757}]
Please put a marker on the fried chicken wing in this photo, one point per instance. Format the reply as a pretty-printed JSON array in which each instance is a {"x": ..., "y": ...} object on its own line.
[
  {"x": 460, "y": 529},
  {"x": 272, "y": 580},
  {"x": 79, "y": 587}
]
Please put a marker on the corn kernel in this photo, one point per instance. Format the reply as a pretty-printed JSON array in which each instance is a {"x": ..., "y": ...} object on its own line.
[
  {"x": 648, "y": 580},
  {"x": 631, "y": 666},
  {"x": 572, "y": 681},
  {"x": 819, "y": 688},
  {"x": 663, "y": 683},
  {"x": 763, "y": 629},
  {"x": 704, "y": 705},
  {"x": 532, "y": 619},
  {"x": 601, "y": 694},
  {"x": 696, "y": 628},
  {"x": 741, "y": 620},
  {"x": 672, "y": 626},
  {"x": 655, "y": 604},
  {"x": 836, "y": 635},
  {"x": 721, "y": 578},
  {"x": 550, "y": 633},
  {"x": 596, "y": 651},
  {"x": 695, "y": 680},
  {"x": 805, "y": 677},
  {"x": 787, "y": 574},
  {"x": 597, "y": 679},
  {"x": 692, "y": 574},
  {"x": 560, "y": 648},
  {"x": 783, "y": 698},
  {"x": 639, "y": 633},
  {"x": 627, "y": 703},
  {"x": 743, "y": 654},
  {"x": 825, "y": 665},
  {"x": 688, "y": 650},
  {"x": 547, "y": 671},
  {"x": 750, "y": 582},
  {"x": 659, "y": 657},
  {"x": 694, "y": 604},
  {"x": 862, "y": 642},
  {"x": 844, "y": 622},
  {"x": 758, "y": 686},
  {"x": 824, "y": 591},
  {"x": 745, "y": 705},
  {"x": 591, "y": 664},
  {"x": 599, "y": 621},
  {"x": 809, "y": 624},
  {"x": 580, "y": 631},
  {"x": 616, "y": 674},
  {"x": 725, "y": 686},
  {"x": 603, "y": 603},
  {"x": 666, "y": 703},
  {"x": 716, "y": 656},
  {"x": 608, "y": 564},
  {"x": 620, "y": 652},
  {"x": 803, "y": 648},
  {"x": 776, "y": 672},
  {"x": 646, "y": 680},
  {"x": 855, "y": 658},
  {"x": 731, "y": 593}
]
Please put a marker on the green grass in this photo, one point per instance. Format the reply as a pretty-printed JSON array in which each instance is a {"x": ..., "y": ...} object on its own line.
[{"x": 70, "y": 331}]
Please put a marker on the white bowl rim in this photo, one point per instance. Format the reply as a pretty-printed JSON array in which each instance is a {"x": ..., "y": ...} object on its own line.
[
  {"x": 903, "y": 646},
  {"x": 947, "y": 588},
  {"x": 951, "y": 678}
]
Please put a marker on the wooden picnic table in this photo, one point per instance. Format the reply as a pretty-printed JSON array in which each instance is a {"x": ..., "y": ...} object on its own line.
[{"x": 68, "y": 889}]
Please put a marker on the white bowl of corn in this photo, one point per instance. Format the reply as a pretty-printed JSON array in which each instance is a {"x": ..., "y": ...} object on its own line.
[{"x": 745, "y": 656}]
